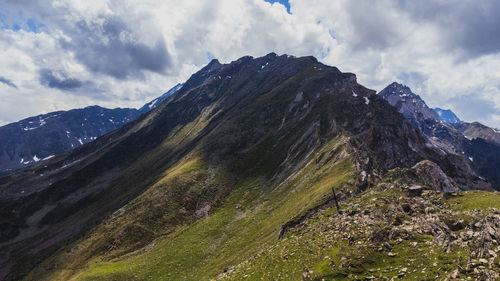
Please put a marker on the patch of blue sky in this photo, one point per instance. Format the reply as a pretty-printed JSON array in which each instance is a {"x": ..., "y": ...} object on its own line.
[
  {"x": 210, "y": 56},
  {"x": 17, "y": 21},
  {"x": 326, "y": 53},
  {"x": 34, "y": 25},
  {"x": 282, "y": 2},
  {"x": 3, "y": 22},
  {"x": 332, "y": 33}
]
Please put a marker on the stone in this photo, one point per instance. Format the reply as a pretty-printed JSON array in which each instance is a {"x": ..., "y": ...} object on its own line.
[
  {"x": 391, "y": 254},
  {"x": 407, "y": 208},
  {"x": 415, "y": 190},
  {"x": 492, "y": 253}
]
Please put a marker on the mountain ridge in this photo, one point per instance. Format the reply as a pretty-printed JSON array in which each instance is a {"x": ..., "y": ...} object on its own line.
[{"x": 212, "y": 176}]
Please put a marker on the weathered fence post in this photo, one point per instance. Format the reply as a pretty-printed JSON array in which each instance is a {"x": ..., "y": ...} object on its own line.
[{"x": 336, "y": 201}]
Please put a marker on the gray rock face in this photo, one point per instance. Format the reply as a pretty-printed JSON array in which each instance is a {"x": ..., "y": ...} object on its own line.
[
  {"x": 424, "y": 175},
  {"x": 431, "y": 175},
  {"x": 408, "y": 104},
  {"x": 476, "y": 130}
]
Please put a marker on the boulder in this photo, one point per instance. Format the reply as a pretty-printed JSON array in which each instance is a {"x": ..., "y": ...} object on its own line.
[
  {"x": 415, "y": 190},
  {"x": 430, "y": 174}
]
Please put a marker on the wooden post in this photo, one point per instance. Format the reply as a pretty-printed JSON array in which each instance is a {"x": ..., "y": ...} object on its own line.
[{"x": 336, "y": 201}]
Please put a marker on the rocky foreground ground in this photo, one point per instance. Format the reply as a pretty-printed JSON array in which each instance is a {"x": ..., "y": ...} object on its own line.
[{"x": 388, "y": 234}]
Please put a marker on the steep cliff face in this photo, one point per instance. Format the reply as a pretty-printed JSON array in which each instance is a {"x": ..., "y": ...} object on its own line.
[{"x": 239, "y": 151}]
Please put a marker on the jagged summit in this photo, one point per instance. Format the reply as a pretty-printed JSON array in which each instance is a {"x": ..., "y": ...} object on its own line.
[{"x": 408, "y": 103}]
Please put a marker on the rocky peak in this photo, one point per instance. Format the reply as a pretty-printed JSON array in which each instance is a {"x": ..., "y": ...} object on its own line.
[
  {"x": 408, "y": 104},
  {"x": 213, "y": 64},
  {"x": 466, "y": 142}
]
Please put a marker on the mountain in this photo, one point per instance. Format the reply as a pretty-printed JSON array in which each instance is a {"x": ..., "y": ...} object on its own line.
[
  {"x": 476, "y": 130},
  {"x": 237, "y": 176},
  {"x": 409, "y": 104},
  {"x": 438, "y": 134},
  {"x": 154, "y": 103},
  {"x": 447, "y": 115},
  {"x": 468, "y": 141},
  {"x": 31, "y": 140}
]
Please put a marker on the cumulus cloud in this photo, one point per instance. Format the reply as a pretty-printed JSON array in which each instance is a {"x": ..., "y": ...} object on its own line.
[
  {"x": 114, "y": 50},
  {"x": 124, "y": 53},
  {"x": 470, "y": 25},
  {"x": 58, "y": 80}
]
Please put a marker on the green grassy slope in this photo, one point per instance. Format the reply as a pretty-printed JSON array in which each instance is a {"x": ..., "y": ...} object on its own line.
[{"x": 150, "y": 239}]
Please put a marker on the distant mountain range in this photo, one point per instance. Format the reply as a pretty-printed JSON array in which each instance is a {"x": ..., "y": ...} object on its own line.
[{"x": 31, "y": 140}]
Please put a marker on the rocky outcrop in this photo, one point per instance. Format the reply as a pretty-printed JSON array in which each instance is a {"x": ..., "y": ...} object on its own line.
[
  {"x": 432, "y": 176},
  {"x": 425, "y": 173}
]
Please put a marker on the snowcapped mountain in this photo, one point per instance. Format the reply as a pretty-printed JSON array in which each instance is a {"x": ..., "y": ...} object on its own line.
[
  {"x": 34, "y": 139},
  {"x": 447, "y": 115}
]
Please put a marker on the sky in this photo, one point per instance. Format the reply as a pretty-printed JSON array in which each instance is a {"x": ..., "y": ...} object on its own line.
[{"x": 58, "y": 55}]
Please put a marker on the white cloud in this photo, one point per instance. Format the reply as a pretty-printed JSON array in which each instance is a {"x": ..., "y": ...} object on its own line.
[{"x": 113, "y": 48}]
